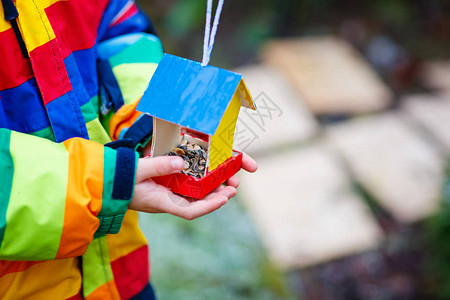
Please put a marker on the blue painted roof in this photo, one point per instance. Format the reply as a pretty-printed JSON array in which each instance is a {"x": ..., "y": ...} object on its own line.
[{"x": 183, "y": 92}]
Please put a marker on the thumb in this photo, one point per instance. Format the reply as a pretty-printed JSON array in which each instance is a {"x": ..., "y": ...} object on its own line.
[{"x": 158, "y": 166}]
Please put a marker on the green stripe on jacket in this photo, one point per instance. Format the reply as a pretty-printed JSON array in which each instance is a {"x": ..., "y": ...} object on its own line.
[
  {"x": 37, "y": 202},
  {"x": 6, "y": 178}
]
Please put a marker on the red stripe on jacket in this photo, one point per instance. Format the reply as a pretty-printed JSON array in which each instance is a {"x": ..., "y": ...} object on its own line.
[
  {"x": 62, "y": 16},
  {"x": 129, "y": 12},
  {"x": 76, "y": 297},
  {"x": 15, "y": 68},
  {"x": 50, "y": 71},
  {"x": 131, "y": 272},
  {"x": 85, "y": 14}
]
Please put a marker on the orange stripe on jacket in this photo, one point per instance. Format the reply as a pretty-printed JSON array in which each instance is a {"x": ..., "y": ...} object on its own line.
[
  {"x": 129, "y": 238},
  {"x": 123, "y": 118},
  {"x": 42, "y": 281},
  {"x": 107, "y": 291},
  {"x": 7, "y": 266},
  {"x": 83, "y": 197}
]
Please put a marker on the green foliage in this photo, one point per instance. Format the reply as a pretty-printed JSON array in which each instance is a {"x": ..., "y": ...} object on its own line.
[
  {"x": 255, "y": 29},
  {"x": 419, "y": 26},
  {"x": 438, "y": 231},
  {"x": 399, "y": 12},
  {"x": 184, "y": 17},
  {"x": 218, "y": 256}
]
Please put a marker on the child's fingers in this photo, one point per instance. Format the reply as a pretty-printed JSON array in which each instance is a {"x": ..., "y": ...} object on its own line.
[
  {"x": 233, "y": 181},
  {"x": 206, "y": 205},
  {"x": 227, "y": 191},
  {"x": 199, "y": 208},
  {"x": 249, "y": 164},
  {"x": 158, "y": 166}
]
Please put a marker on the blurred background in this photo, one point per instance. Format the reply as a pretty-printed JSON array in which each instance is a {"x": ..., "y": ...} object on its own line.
[{"x": 352, "y": 135}]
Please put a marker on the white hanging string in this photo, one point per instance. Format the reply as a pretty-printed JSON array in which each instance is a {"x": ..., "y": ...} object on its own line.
[
  {"x": 207, "y": 31},
  {"x": 210, "y": 34}
]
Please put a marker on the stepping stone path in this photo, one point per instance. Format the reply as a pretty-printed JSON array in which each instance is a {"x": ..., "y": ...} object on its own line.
[
  {"x": 305, "y": 209},
  {"x": 397, "y": 166},
  {"x": 436, "y": 75},
  {"x": 330, "y": 75},
  {"x": 433, "y": 113},
  {"x": 301, "y": 198},
  {"x": 281, "y": 118}
]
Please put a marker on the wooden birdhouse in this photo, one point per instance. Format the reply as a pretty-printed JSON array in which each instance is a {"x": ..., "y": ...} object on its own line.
[{"x": 199, "y": 104}]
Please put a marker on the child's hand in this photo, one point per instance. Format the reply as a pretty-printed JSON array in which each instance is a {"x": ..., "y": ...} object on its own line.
[
  {"x": 249, "y": 165},
  {"x": 154, "y": 198}
]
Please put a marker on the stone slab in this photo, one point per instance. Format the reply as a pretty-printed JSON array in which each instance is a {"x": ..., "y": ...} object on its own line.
[
  {"x": 330, "y": 75},
  {"x": 436, "y": 75},
  {"x": 393, "y": 162},
  {"x": 305, "y": 210},
  {"x": 432, "y": 112},
  {"x": 280, "y": 119}
]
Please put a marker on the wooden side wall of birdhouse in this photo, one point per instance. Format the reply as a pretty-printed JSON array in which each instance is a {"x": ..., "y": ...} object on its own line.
[
  {"x": 166, "y": 136},
  {"x": 221, "y": 143}
]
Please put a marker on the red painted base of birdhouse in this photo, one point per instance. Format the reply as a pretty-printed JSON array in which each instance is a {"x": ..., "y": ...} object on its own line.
[{"x": 198, "y": 188}]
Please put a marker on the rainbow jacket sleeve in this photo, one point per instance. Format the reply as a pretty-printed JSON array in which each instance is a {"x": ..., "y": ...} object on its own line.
[{"x": 71, "y": 75}]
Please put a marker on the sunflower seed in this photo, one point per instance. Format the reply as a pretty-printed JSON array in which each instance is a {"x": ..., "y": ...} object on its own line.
[{"x": 194, "y": 157}]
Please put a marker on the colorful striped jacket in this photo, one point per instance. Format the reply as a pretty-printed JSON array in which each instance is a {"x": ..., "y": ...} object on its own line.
[{"x": 63, "y": 194}]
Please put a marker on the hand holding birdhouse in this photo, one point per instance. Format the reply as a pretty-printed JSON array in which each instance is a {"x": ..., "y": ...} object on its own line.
[
  {"x": 200, "y": 105},
  {"x": 154, "y": 198}
]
